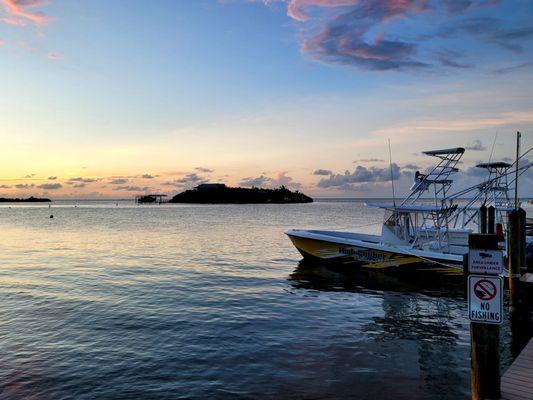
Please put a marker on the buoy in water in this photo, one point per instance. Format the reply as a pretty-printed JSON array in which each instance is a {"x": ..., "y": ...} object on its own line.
[{"x": 51, "y": 216}]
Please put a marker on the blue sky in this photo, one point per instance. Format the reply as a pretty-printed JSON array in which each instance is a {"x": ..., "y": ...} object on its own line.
[{"x": 254, "y": 91}]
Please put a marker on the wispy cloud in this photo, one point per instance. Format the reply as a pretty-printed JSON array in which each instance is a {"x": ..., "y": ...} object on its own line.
[
  {"x": 350, "y": 180},
  {"x": 412, "y": 167},
  {"x": 54, "y": 56},
  {"x": 254, "y": 182},
  {"x": 190, "y": 179},
  {"x": 280, "y": 179},
  {"x": 50, "y": 186},
  {"x": 322, "y": 172},
  {"x": 476, "y": 145},
  {"x": 343, "y": 39},
  {"x": 24, "y": 186},
  {"x": 487, "y": 29},
  {"x": 22, "y": 12},
  {"x": 369, "y": 160},
  {"x": 119, "y": 181},
  {"x": 81, "y": 179},
  {"x": 132, "y": 188},
  {"x": 513, "y": 68},
  {"x": 204, "y": 170},
  {"x": 378, "y": 35},
  {"x": 471, "y": 123}
]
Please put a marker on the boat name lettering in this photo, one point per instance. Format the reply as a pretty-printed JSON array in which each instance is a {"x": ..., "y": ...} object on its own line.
[{"x": 366, "y": 255}]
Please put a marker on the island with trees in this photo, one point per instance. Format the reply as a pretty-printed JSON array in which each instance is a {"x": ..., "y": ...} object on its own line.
[
  {"x": 28, "y": 200},
  {"x": 218, "y": 193}
]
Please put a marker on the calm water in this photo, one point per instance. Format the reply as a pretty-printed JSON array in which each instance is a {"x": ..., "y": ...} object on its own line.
[{"x": 188, "y": 301}]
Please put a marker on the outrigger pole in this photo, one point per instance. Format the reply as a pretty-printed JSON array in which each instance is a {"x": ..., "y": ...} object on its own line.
[
  {"x": 518, "y": 136},
  {"x": 392, "y": 176}
]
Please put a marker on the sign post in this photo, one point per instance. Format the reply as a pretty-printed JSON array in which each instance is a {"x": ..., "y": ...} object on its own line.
[{"x": 485, "y": 311}]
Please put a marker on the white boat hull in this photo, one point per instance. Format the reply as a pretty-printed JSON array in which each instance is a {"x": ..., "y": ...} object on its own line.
[{"x": 364, "y": 249}]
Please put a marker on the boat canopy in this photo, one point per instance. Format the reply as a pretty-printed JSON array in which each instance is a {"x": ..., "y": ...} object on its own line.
[
  {"x": 454, "y": 150},
  {"x": 496, "y": 164},
  {"x": 407, "y": 207}
]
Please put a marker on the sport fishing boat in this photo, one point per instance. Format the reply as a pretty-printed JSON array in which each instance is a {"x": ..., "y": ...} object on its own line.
[{"x": 419, "y": 229}]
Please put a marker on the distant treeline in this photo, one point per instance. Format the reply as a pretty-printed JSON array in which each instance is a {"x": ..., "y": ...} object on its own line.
[
  {"x": 237, "y": 195},
  {"x": 28, "y": 200}
]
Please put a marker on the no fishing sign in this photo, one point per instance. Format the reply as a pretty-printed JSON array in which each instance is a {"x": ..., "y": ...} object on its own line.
[{"x": 485, "y": 299}]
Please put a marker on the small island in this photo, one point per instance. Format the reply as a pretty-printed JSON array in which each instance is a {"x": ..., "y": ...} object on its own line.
[
  {"x": 28, "y": 200},
  {"x": 218, "y": 193}
]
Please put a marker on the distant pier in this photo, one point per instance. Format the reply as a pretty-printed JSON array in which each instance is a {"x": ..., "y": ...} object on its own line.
[{"x": 151, "y": 199}]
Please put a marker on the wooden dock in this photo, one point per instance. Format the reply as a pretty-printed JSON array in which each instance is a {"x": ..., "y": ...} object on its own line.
[{"x": 517, "y": 382}]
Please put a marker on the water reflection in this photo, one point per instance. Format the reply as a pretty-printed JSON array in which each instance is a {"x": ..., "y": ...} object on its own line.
[
  {"x": 430, "y": 281},
  {"x": 421, "y": 308},
  {"x": 194, "y": 302}
]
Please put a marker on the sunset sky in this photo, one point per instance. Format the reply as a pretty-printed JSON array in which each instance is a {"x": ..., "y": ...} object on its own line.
[{"x": 111, "y": 98}]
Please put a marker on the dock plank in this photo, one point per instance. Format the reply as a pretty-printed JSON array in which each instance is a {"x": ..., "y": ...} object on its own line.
[
  {"x": 517, "y": 382},
  {"x": 522, "y": 384}
]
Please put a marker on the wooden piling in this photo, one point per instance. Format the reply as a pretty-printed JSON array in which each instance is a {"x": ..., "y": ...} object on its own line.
[
  {"x": 519, "y": 312},
  {"x": 483, "y": 219},
  {"x": 514, "y": 258},
  {"x": 465, "y": 275},
  {"x": 492, "y": 219},
  {"x": 485, "y": 374},
  {"x": 485, "y": 340},
  {"x": 522, "y": 245}
]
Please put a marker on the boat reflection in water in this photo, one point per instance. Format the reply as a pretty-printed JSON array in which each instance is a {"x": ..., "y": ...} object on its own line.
[
  {"x": 415, "y": 346},
  {"x": 423, "y": 279}
]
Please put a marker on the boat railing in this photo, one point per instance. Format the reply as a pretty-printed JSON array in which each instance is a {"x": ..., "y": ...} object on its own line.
[{"x": 437, "y": 176}]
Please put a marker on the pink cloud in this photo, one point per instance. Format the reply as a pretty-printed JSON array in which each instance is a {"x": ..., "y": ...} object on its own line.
[
  {"x": 282, "y": 179},
  {"x": 17, "y": 12},
  {"x": 297, "y": 8},
  {"x": 364, "y": 33},
  {"x": 54, "y": 56}
]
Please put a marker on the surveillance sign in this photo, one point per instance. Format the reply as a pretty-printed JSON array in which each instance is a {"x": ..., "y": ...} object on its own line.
[
  {"x": 485, "y": 295},
  {"x": 485, "y": 262}
]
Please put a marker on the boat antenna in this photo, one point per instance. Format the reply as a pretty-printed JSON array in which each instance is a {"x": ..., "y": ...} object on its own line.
[
  {"x": 392, "y": 177},
  {"x": 493, "y": 144},
  {"x": 518, "y": 136}
]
